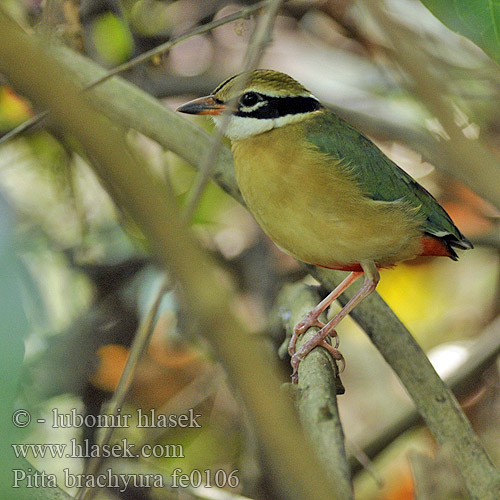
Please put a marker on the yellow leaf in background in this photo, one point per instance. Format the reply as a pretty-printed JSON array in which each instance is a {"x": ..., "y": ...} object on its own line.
[
  {"x": 412, "y": 292},
  {"x": 112, "y": 39},
  {"x": 13, "y": 109}
]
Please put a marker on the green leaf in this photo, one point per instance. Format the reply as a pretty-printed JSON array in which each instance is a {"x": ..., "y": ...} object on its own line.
[
  {"x": 112, "y": 39},
  {"x": 478, "y": 20}
]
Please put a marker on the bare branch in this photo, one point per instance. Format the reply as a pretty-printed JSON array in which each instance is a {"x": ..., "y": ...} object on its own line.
[
  {"x": 464, "y": 380},
  {"x": 317, "y": 390}
]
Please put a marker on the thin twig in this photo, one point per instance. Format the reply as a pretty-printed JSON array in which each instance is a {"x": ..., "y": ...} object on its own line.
[
  {"x": 160, "y": 49},
  {"x": 360, "y": 457},
  {"x": 30, "y": 122},
  {"x": 140, "y": 344},
  {"x": 261, "y": 37},
  {"x": 164, "y": 47}
]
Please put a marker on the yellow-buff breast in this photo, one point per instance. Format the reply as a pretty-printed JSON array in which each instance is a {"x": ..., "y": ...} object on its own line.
[{"x": 313, "y": 209}]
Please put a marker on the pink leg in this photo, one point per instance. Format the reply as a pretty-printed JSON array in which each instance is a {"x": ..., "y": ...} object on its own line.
[
  {"x": 311, "y": 318},
  {"x": 372, "y": 278}
]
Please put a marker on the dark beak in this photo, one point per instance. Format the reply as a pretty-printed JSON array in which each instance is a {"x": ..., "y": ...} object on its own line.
[{"x": 202, "y": 106}]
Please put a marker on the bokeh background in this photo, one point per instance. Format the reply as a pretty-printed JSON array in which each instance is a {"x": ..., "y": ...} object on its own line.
[{"x": 77, "y": 279}]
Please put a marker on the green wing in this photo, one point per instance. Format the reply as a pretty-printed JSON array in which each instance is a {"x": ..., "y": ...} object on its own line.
[{"x": 379, "y": 177}]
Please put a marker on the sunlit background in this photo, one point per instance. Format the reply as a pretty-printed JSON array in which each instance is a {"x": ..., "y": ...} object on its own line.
[{"x": 88, "y": 281}]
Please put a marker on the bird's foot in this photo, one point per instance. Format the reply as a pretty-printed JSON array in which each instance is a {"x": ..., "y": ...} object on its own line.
[
  {"x": 318, "y": 340},
  {"x": 335, "y": 353},
  {"x": 309, "y": 320},
  {"x": 295, "y": 362}
]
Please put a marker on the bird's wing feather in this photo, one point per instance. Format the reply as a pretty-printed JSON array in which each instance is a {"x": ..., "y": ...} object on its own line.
[{"x": 378, "y": 176}]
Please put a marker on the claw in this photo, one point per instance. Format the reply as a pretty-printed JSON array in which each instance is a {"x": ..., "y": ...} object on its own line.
[
  {"x": 309, "y": 321},
  {"x": 335, "y": 338},
  {"x": 291, "y": 345},
  {"x": 335, "y": 353},
  {"x": 295, "y": 362},
  {"x": 371, "y": 279},
  {"x": 297, "y": 357}
]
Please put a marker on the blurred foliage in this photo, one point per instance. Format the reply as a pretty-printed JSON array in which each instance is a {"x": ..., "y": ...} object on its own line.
[
  {"x": 13, "y": 109},
  {"x": 112, "y": 39},
  {"x": 13, "y": 330},
  {"x": 88, "y": 281},
  {"x": 478, "y": 20}
]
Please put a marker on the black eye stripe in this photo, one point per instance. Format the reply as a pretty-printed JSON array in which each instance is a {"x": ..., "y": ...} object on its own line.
[{"x": 274, "y": 107}]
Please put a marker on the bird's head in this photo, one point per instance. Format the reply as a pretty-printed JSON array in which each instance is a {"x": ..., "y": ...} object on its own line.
[{"x": 258, "y": 101}]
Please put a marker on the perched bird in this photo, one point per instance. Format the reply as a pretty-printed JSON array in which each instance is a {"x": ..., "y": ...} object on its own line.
[{"x": 322, "y": 191}]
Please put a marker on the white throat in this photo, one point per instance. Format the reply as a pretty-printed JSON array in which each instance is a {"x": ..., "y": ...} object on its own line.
[{"x": 242, "y": 127}]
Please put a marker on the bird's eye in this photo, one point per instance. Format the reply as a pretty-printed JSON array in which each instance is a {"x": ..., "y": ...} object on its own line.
[{"x": 249, "y": 99}]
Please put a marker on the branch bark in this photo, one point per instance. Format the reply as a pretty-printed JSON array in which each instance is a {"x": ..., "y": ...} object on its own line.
[
  {"x": 464, "y": 381},
  {"x": 317, "y": 390}
]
